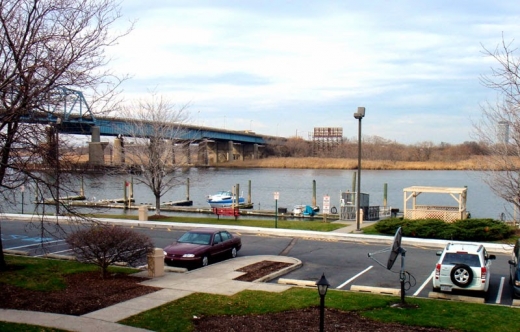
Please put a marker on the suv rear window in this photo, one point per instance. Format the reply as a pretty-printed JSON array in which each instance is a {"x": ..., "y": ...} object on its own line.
[{"x": 453, "y": 258}]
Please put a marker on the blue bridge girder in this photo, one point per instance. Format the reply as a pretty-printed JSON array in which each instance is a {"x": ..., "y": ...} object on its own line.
[
  {"x": 117, "y": 126},
  {"x": 70, "y": 110}
]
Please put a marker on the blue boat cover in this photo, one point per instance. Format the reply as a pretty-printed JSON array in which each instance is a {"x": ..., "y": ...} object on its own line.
[{"x": 309, "y": 211}]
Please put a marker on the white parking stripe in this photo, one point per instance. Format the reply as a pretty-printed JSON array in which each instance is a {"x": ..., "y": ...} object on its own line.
[
  {"x": 354, "y": 277},
  {"x": 54, "y": 252},
  {"x": 36, "y": 244},
  {"x": 500, "y": 289},
  {"x": 424, "y": 284}
]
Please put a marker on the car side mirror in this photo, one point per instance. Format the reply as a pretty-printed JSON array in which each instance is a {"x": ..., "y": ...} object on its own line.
[
  {"x": 511, "y": 262},
  {"x": 438, "y": 253},
  {"x": 492, "y": 257}
]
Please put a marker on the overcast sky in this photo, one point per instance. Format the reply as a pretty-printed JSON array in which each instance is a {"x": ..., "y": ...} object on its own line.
[{"x": 285, "y": 67}]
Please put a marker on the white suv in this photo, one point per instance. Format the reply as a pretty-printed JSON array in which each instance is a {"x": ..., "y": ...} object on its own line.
[{"x": 463, "y": 266}]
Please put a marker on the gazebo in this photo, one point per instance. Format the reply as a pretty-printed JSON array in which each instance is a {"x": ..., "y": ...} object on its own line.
[{"x": 446, "y": 213}]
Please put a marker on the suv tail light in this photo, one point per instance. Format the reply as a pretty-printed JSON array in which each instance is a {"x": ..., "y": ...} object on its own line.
[
  {"x": 437, "y": 271},
  {"x": 483, "y": 274}
]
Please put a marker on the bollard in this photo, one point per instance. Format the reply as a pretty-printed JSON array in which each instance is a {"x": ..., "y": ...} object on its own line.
[
  {"x": 143, "y": 213},
  {"x": 156, "y": 263}
]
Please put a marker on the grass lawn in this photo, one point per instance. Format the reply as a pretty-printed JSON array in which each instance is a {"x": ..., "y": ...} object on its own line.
[
  {"x": 46, "y": 274},
  {"x": 177, "y": 315},
  {"x": 311, "y": 225}
]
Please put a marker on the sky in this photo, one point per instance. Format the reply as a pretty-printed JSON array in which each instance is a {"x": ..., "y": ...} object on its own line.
[{"x": 285, "y": 67}]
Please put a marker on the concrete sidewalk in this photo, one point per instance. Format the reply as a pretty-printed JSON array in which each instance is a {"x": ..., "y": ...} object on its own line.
[{"x": 214, "y": 279}]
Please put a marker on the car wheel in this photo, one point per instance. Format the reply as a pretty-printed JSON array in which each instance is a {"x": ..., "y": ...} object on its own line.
[
  {"x": 233, "y": 252},
  {"x": 205, "y": 261},
  {"x": 461, "y": 275}
]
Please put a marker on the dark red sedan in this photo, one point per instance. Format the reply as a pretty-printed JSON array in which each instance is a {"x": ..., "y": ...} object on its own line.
[{"x": 198, "y": 246}]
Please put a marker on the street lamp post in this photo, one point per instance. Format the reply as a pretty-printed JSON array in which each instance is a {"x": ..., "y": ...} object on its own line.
[
  {"x": 323, "y": 285},
  {"x": 359, "y": 115}
]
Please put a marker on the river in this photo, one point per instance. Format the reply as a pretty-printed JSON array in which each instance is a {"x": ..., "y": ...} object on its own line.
[{"x": 295, "y": 186}]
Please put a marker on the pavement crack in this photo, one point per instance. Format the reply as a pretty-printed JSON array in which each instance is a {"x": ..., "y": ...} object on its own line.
[{"x": 287, "y": 249}]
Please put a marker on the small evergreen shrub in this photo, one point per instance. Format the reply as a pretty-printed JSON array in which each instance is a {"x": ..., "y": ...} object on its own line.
[{"x": 463, "y": 230}]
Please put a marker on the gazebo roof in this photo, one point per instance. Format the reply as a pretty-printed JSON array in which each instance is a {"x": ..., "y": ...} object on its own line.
[{"x": 439, "y": 190}]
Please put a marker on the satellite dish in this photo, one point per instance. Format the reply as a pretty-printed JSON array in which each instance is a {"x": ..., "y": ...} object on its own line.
[{"x": 395, "y": 249}]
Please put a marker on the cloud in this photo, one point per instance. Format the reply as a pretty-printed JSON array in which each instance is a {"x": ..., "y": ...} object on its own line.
[{"x": 280, "y": 68}]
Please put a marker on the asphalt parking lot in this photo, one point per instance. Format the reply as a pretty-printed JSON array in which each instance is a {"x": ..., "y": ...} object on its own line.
[{"x": 345, "y": 264}]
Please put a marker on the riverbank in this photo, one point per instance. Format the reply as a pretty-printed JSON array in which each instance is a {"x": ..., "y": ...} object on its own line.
[{"x": 474, "y": 163}]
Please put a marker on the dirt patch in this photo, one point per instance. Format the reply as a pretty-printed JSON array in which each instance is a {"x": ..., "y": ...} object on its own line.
[{"x": 260, "y": 269}]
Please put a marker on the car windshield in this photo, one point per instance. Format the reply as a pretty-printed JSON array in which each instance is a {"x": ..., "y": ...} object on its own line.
[
  {"x": 454, "y": 258},
  {"x": 195, "y": 238}
]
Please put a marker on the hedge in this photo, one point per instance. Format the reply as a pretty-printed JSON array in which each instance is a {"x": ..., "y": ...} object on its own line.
[{"x": 484, "y": 230}]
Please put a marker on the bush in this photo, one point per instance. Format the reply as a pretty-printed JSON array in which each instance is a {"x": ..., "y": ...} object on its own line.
[
  {"x": 106, "y": 245},
  {"x": 462, "y": 230}
]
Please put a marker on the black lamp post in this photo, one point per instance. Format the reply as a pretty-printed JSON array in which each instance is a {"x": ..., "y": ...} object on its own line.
[
  {"x": 359, "y": 115},
  {"x": 323, "y": 285}
]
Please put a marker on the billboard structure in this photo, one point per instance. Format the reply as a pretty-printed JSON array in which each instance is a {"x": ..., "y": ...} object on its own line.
[{"x": 326, "y": 138}]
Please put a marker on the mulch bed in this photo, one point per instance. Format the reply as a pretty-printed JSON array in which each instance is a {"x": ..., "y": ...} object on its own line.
[
  {"x": 260, "y": 269},
  {"x": 85, "y": 292},
  {"x": 304, "y": 320}
]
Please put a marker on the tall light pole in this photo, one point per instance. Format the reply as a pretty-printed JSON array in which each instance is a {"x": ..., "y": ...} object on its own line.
[{"x": 359, "y": 115}]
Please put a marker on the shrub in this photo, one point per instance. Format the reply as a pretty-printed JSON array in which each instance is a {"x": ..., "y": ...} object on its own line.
[
  {"x": 462, "y": 230},
  {"x": 106, "y": 245}
]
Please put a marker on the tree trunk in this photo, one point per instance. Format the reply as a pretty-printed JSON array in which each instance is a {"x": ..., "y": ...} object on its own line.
[{"x": 158, "y": 205}]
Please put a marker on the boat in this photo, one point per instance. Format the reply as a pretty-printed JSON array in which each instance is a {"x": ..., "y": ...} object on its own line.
[
  {"x": 305, "y": 210},
  {"x": 224, "y": 199}
]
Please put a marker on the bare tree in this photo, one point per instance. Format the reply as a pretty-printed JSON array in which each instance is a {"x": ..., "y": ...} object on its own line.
[
  {"x": 47, "y": 46},
  {"x": 156, "y": 133},
  {"x": 499, "y": 127},
  {"x": 107, "y": 245}
]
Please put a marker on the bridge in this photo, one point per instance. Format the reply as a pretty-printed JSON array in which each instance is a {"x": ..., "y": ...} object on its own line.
[{"x": 72, "y": 115}]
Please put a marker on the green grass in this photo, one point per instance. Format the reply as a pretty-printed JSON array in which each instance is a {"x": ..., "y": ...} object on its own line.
[
  {"x": 45, "y": 274},
  {"x": 14, "y": 327},
  {"x": 311, "y": 225},
  {"x": 177, "y": 315}
]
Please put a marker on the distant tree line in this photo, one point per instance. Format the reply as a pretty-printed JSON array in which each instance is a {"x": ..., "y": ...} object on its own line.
[{"x": 376, "y": 148}]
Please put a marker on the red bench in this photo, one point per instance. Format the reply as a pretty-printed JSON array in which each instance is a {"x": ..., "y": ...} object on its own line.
[{"x": 230, "y": 211}]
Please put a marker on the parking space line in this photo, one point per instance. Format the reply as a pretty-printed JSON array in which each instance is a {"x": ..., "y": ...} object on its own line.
[
  {"x": 36, "y": 244},
  {"x": 424, "y": 284},
  {"x": 354, "y": 277},
  {"x": 54, "y": 252},
  {"x": 500, "y": 289}
]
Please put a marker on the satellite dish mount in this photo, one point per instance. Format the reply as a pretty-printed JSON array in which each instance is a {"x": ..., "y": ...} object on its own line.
[{"x": 395, "y": 250}]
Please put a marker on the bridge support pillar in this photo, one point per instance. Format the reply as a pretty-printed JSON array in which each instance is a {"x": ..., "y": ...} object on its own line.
[
  {"x": 249, "y": 151},
  {"x": 208, "y": 152},
  {"x": 96, "y": 148},
  {"x": 118, "y": 157},
  {"x": 234, "y": 151},
  {"x": 187, "y": 148},
  {"x": 231, "y": 149}
]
